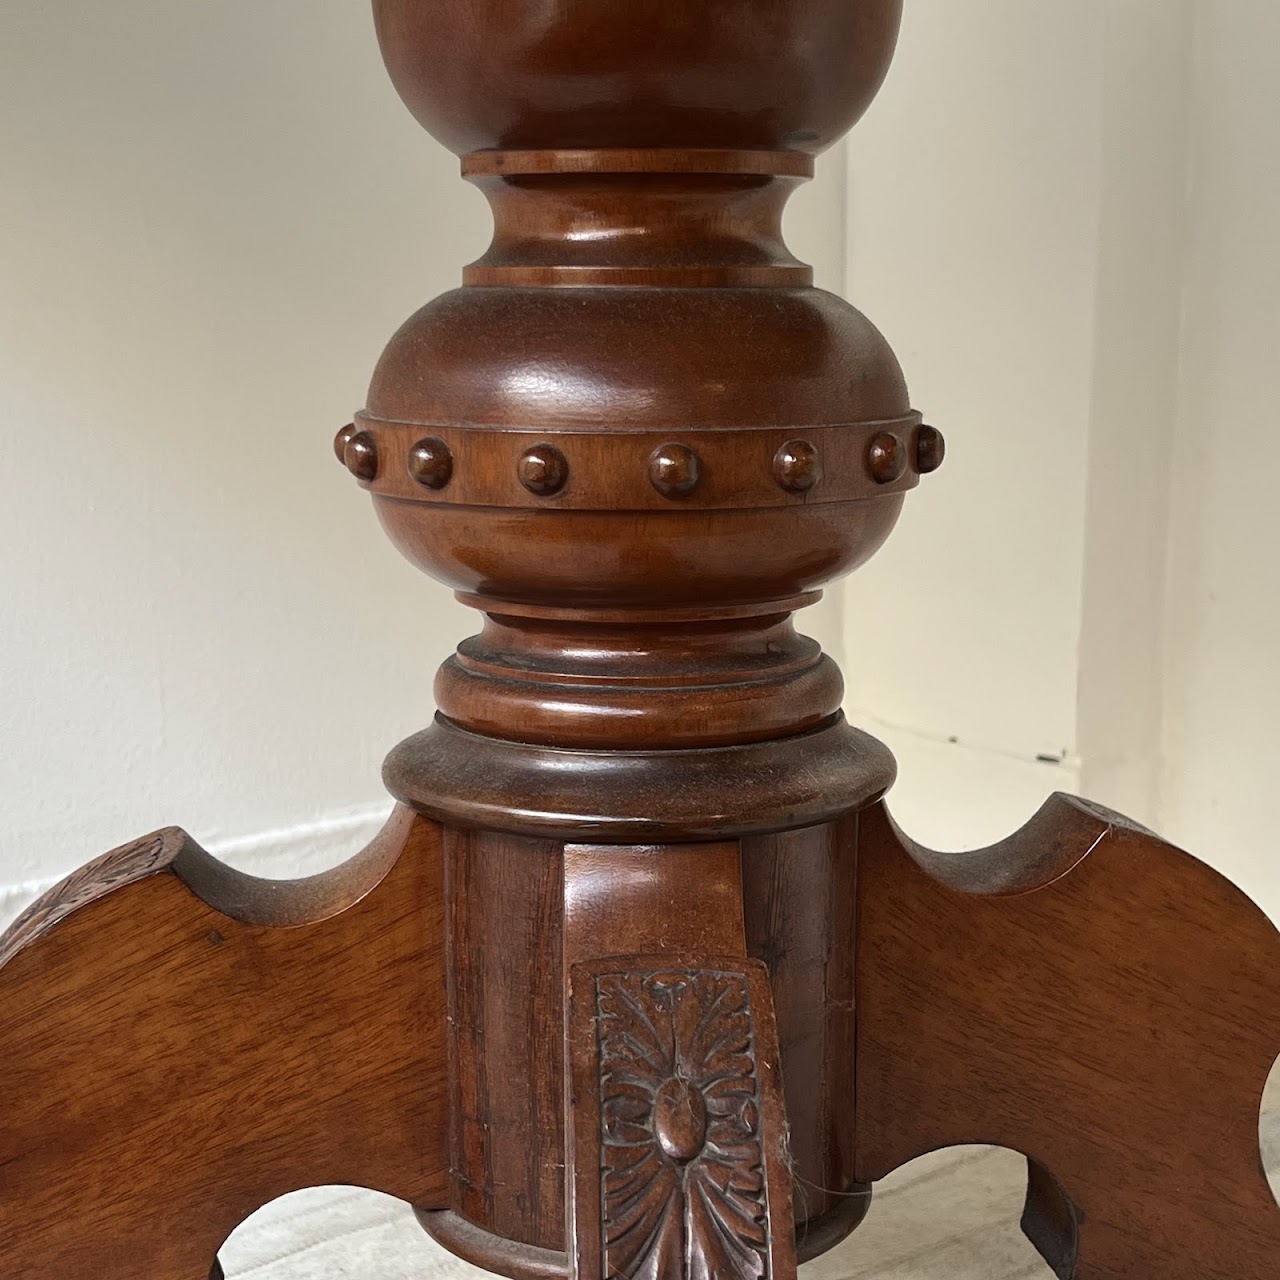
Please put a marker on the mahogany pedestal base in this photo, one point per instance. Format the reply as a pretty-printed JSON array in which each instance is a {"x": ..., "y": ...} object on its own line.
[
  {"x": 180, "y": 1044},
  {"x": 640, "y": 982}
]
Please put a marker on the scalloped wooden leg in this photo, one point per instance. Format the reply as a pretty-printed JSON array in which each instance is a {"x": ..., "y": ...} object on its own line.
[
  {"x": 676, "y": 1127},
  {"x": 1092, "y": 997},
  {"x": 180, "y": 1043}
]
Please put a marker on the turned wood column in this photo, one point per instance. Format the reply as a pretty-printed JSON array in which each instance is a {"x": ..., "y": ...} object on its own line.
[
  {"x": 640, "y": 980},
  {"x": 637, "y": 440}
]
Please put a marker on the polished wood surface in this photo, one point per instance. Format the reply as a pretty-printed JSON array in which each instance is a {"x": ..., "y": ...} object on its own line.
[
  {"x": 493, "y": 74},
  {"x": 679, "y": 1138},
  {"x": 638, "y": 794},
  {"x": 180, "y": 1044},
  {"x": 676, "y": 1133},
  {"x": 1091, "y": 997},
  {"x": 799, "y": 891},
  {"x": 660, "y": 439},
  {"x": 506, "y": 1017},
  {"x": 640, "y": 980}
]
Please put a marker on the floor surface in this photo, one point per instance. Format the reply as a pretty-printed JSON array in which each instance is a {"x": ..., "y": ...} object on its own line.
[{"x": 951, "y": 1216}]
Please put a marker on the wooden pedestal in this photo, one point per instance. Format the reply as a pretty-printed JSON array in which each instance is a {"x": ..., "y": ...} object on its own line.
[{"x": 640, "y": 980}]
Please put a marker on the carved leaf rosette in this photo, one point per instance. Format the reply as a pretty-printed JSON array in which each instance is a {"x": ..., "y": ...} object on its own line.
[{"x": 683, "y": 1170}]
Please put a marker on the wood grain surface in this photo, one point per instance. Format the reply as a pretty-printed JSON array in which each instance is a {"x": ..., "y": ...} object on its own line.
[
  {"x": 180, "y": 1044},
  {"x": 1091, "y": 997},
  {"x": 676, "y": 1133},
  {"x": 506, "y": 1047},
  {"x": 679, "y": 1130},
  {"x": 799, "y": 893},
  {"x": 637, "y": 441}
]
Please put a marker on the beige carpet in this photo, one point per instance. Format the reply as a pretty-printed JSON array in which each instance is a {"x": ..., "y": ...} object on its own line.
[{"x": 951, "y": 1216}]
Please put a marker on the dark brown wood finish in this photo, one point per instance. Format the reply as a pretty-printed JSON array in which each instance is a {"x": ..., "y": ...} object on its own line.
[
  {"x": 677, "y": 1132},
  {"x": 680, "y": 1143},
  {"x": 512, "y": 74},
  {"x": 1092, "y": 997},
  {"x": 506, "y": 1074},
  {"x": 638, "y": 793},
  {"x": 180, "y": 1044},
  {"x": 641, "y": 961},
  {"x": 800, "y": 909},
  {"x": 661, "y": 439}
]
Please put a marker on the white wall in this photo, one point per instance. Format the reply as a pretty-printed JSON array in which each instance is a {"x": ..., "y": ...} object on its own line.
[
  {"x": 211, "y": 215},
  {"x": 1067, "y": 220},
  {"x": 975, "y": 185},
  {"x": 211, "y": 218},
  {"x": 1134, "y": 397},
  {"x": 1222, "y": 676}
]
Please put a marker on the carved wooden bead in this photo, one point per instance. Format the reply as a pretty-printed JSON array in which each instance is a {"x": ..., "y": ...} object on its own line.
[
  {"x": 680, "y": 1120},
  {"x": 674, "y": 470},
  {"x": 340, "y": 442},
  {"x": 797, "y": 466},
  {"x": 431, "y": 463},
  {"x": 931, "y": 448},
  {"x": 543, "y": 470},
  {"x": 361, "y": 456},
  {"x": 887, "y": 458}
]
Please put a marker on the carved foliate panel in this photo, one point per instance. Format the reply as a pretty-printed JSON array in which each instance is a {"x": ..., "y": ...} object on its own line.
[{"x": 679, "y": 1129}]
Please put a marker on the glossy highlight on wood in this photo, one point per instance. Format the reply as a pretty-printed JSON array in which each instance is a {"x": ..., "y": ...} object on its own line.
[
  {"x": 341, "y": 440},
  {"x": 431, "y": 463},
  {"x": 543, "y": 470},
  {"x": 640, "y": 981},
  {"x": 931, "y": 449},
  {"x": 797, "y": 466},
  {"x": 887, "y": 458},
  {"x": 674, "y": 470},
  {"x": 360, "y": 454}
]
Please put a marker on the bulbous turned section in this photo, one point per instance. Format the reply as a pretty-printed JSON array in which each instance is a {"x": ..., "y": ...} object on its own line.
[
  {"x": 608, "y": 378},
  {"x": 643, "y": 404},
  {"x": 637, "y": 438},
  {"x": 638, "y": 358},
  {"x": 528, "y": 74}
]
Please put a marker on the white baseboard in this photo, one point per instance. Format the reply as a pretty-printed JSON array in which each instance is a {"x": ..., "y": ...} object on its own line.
[{"x": 284, "y": 854}]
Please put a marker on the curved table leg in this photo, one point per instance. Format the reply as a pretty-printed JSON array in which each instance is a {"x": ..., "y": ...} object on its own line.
[
  {"x": 180, "y": 1044},
  {"x": 1090, "y": 996}
]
